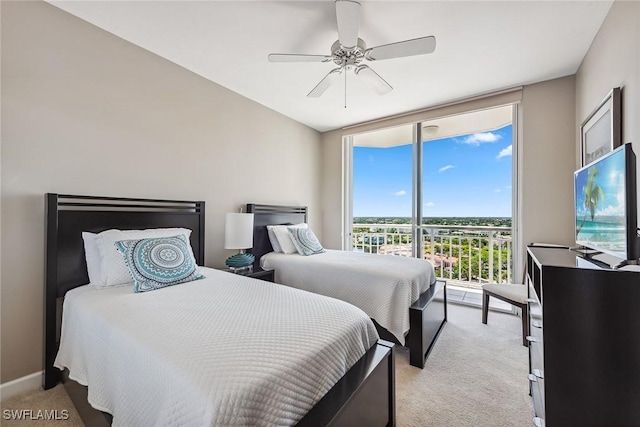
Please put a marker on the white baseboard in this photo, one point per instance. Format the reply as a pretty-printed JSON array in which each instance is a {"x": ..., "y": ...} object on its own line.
[{"x": 17, "y": 386}]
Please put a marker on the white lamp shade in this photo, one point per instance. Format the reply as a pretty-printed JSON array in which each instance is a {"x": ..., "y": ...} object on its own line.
[{"x": 238, "y": 231}]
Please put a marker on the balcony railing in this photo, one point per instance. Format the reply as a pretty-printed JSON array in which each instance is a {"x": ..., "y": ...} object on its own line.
[{"x": 464, "y": 255}]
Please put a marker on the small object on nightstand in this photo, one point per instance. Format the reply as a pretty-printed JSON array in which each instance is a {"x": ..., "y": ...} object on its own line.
[
  {"x": 246, "y": 270},
  {"x": 238, "y": 234}
]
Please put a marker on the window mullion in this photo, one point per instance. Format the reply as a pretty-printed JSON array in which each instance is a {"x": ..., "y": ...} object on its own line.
[{"x": 416, "y": 200}]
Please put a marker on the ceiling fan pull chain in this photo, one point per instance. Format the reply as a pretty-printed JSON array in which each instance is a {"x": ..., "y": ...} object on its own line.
[{"x": 345, "y": 87}]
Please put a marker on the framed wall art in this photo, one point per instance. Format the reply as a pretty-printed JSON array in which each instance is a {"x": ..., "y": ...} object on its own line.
[{"x": 601, "y": 132}]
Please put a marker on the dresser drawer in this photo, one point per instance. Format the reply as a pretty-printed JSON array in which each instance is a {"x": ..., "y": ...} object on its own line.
[
  {"x": 534, "y": 302},
  {"x": 536, "y": 340},
  {"x": 536, "y": 335},
  {"x": 535, "y": 318},
  {"x": 536, "y": 357},
  {"x": 535, "y": 331},
  {"x": 535, "y": 354},
  {"x": 537, "y": 395}
]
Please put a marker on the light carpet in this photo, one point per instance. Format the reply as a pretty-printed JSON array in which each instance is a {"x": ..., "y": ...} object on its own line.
[
  {"x": 55, "y": 399},
  {"x": 475, "y": 376}
]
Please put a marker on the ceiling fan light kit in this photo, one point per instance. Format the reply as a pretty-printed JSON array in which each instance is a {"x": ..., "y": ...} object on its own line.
[{"x": 349, "y": 51}]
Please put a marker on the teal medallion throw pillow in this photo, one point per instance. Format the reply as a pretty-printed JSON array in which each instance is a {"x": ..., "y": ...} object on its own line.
[
  {"x": 155, "y": 263},
  {"x": 305, "y": 241}
]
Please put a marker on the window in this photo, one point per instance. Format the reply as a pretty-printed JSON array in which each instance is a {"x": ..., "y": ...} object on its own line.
[{"x": 447, "y": 199}]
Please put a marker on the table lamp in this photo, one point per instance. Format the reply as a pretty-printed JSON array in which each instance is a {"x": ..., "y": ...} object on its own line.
[{"x": 238, "y": 234}]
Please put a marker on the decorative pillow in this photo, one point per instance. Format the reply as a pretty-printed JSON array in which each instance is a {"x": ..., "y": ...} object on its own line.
[
  {"x": 305, "y": 241},
  {"x": 92, "y": 255},
  {"x": 284, "y": 238},
  {"x": 159, "y": 262},
  {"x": 114, "y": 269}
]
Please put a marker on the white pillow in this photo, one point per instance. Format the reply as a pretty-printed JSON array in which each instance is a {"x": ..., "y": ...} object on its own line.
[
  {"x": 273, "y": 239},
  {"x": 92, "y": 255},
  {"x": 114, "y": 269},
  {"x": 284, "y": 238}
]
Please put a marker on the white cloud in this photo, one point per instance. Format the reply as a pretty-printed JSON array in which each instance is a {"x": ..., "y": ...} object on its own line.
[
  {"x": 400, "y": 193},
  {"x": 620, "y": 197},
  {"x": 612, "y": 210},
  {"x": 505, "y": 152},
  {"x": 429, "y": 204},
  {"x": 482, "y": 138},
  {"x": 616, "y": 209},
  {"x": 444, "y": 168},
  {"x": 497, "y": 190}
]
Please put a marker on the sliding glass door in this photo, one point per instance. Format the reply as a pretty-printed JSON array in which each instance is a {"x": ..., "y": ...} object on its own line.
[
  {"x": 447, "y": 198},
  {"x": 467, "y": 189},
  {"x": 383, "y": 184}
]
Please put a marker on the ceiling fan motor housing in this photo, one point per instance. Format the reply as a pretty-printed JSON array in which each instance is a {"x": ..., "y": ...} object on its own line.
[{"x": 348, "y": 56}]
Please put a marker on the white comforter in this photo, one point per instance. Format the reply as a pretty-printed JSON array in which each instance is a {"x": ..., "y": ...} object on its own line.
[
  {"x": 225, "y": 350},
  {"x": 383, "y": 286}
]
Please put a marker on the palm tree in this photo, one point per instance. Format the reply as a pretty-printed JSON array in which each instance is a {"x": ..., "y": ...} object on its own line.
[{"x": 593, "y": 194}]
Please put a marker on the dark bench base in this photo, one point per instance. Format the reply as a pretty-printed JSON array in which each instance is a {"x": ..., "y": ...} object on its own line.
[{"x": 427, "y": 317}]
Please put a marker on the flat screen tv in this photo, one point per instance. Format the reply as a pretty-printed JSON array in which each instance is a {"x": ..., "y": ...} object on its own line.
[{"x": 606, "y": 204}]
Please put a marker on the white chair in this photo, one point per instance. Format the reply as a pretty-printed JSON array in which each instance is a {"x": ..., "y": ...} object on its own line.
[{"x": 514, "y": 294}]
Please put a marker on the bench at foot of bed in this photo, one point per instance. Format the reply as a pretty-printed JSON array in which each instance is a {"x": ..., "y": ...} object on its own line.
[{"x": 427, "y": 317}]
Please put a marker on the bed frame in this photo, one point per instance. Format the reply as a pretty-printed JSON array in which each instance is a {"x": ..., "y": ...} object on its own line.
[
  {"x": 364, "y": 396},
  {"x": 427, "y": 316}
]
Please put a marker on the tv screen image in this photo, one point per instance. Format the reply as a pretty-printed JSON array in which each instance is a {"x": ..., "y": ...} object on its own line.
[{"x": 606, "y": 204}]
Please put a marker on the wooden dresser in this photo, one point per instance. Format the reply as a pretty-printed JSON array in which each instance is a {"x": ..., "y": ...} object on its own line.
[{"x": 584, "y": 341}]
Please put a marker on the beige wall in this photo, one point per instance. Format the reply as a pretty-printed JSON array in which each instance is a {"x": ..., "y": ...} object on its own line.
[
  {"x": 613, "y": 60},
  {"x": 548, "y": 161},
  {"x": 331, "y": 192},
  {"x": 84, "y": 112}
]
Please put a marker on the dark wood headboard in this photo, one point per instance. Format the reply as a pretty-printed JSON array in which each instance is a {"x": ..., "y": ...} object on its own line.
[
  {"x": 68, "y": 216},
  {"x": 264, "y": 215}
]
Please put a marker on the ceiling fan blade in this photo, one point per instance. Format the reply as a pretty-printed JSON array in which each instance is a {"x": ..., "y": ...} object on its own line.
[
  {"x": 324, "y": 84},
  {"x": 419, "y": 46},
  {"x": 292, "y": 57},
  {"x": 374, "y": 80},
  {"x": 348, "y": 16}
]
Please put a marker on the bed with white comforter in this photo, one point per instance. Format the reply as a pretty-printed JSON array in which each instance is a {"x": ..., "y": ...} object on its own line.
[
  {"x": 224, "y": 350},
  {"x": 383, "y": 286}
]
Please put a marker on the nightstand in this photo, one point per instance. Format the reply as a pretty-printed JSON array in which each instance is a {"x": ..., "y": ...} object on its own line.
[{"x": 266, "y": 275}]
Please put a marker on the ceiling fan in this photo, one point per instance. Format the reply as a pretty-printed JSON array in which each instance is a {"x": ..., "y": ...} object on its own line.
[{"x": 349, "y": 51}]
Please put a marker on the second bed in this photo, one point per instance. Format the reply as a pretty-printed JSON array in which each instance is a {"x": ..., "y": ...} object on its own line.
[{"x": 401, "y": 295}]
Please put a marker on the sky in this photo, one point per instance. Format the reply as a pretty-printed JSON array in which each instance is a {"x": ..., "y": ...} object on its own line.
[{"x": 465, "y": 176}]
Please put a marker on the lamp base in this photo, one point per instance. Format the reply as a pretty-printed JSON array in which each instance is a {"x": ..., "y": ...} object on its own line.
[
  {"x": 242, "y": 270},
  {"x": 240, "y": 260}
]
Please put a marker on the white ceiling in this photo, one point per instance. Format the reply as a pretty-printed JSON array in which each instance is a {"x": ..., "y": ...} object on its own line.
[{"x": 482, "y": 46}]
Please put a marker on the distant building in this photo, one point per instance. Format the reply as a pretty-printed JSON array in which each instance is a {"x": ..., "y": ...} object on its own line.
[{"x": 438, "y": 261}]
